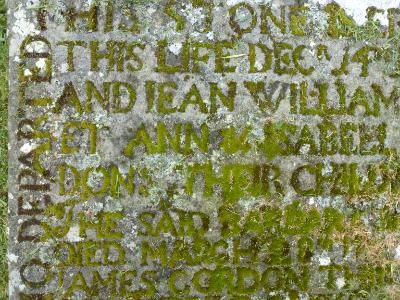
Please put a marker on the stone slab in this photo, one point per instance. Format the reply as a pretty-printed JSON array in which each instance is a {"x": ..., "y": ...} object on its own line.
[{"x": 204, "y": 149}]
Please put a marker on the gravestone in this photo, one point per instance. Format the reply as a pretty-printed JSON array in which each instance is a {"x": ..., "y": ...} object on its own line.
[{"x": 204, "y": 149}]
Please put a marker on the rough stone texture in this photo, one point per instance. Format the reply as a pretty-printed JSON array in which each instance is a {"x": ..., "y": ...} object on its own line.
[{"x": 203, "y": 150}]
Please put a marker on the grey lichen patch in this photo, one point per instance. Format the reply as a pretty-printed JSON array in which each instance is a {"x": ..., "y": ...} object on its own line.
[{"x": 317, "y": 19}]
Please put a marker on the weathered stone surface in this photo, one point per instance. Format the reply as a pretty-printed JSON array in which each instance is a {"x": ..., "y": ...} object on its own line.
[{"x": 204, "y": 150}]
